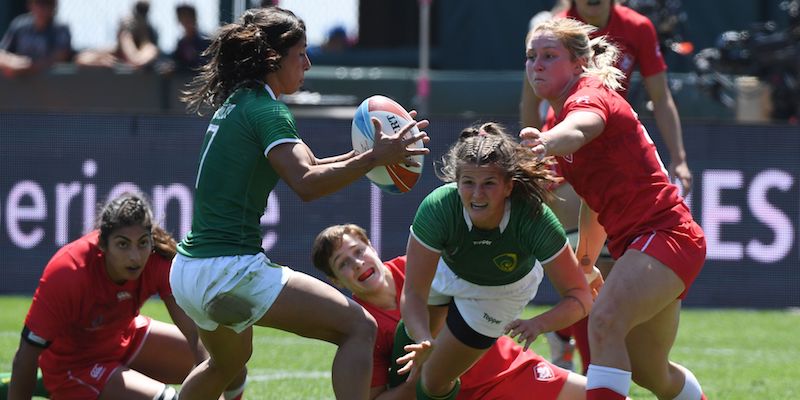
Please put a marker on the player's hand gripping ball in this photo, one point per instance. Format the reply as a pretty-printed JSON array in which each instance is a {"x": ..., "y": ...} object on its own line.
[{"x": 393, "y": 178}]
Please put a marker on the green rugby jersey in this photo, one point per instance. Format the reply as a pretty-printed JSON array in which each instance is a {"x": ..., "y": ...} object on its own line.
[
  {"x": 234, "y": 177},
  {"x": 487, "y": 257}
]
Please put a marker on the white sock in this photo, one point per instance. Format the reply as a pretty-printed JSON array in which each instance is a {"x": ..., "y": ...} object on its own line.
[
  {"x": 615, "y": 379},
  {"x": 231, "y": 394},
  {"x": 691, "y": 387}
]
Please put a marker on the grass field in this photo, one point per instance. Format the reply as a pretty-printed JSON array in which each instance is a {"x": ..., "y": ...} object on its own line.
[{"x": 736, "y": 354}]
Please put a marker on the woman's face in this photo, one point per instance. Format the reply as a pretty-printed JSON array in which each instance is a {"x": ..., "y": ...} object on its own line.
[
  {"x": 127, "y": 252},
  {"x": 549, "y": 67},
  {"x": 483, "y": 190},
  {"x": 593, "y": 10},
  {"x": 289, "y": 78},
  {"x": 357, "y": 267}
]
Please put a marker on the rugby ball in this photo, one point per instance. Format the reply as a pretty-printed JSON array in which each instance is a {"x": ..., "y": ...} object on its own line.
[{"x": 394, "y": 178}]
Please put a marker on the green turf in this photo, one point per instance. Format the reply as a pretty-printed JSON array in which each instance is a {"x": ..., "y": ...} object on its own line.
[{"x": 736, "y": 354}]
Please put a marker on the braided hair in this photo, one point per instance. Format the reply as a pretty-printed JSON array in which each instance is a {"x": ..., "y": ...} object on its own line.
[
  {"x": 242, "y": 54},
  {"x": 490, "y": 144},
  {"x": 131, "y": 209}
]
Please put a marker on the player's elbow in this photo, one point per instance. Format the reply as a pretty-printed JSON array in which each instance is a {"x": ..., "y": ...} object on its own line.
[{"x": 307, "y": 191}]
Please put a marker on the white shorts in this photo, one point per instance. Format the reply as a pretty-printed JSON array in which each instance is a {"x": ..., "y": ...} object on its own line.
[
  {"x": 232, "y": 291},
  {"x": 486, "y": 309}
]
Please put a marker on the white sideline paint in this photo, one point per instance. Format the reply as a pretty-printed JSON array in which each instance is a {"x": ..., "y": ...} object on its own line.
[{"x": 287, "y": 374}]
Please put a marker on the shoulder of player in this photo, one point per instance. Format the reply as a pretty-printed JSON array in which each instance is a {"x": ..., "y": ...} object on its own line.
[
  {"x": 630, "y": 17},
  {"x": 75, "y": 255}
]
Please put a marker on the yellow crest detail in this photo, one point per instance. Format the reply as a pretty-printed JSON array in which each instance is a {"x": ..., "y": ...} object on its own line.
[{"x": 506, "y": 262}]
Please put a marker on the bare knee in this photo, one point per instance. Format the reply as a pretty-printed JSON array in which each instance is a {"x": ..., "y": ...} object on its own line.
[
  {"x": 365, "y": 328},
  {"x": 604, "y": 326},
  {"x": 356, "y": 327}
]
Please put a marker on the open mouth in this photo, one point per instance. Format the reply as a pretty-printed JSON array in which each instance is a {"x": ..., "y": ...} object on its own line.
[
  {"x": 366, "y": 275},
  {"x": 132, "y": 269},
  {"x": 593, "y": 2},
  {"x": 478, "y": 206}
]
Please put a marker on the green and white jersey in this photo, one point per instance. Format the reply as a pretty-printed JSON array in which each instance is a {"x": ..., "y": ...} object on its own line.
[
  {"x": 487, "y": 257},
  {"x": 234, "y": 177}
]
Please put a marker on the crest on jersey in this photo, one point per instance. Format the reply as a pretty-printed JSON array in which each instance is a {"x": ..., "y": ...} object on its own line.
[
  {"x": 581, "y": 100},
  {"x": 506, "y": 262},
  {"x": 543, "y": 372}
]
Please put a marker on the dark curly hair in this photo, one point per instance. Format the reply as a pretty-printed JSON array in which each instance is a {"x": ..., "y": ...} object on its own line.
[
  {"x": 242, "y": 54},
  {"x": 488, "y": 143},
  {"x": 132, "y": 209}
]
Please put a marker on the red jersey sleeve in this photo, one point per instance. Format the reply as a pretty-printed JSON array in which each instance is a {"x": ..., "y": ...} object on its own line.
[
  {"x": 649, "y": 57},
  {"x": 588, "y": 98},
  {"x": 57, "y": 300}
]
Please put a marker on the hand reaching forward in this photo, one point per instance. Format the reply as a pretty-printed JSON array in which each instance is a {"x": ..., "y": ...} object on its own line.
[
  {"x": 394, "y": 148},
  {"x": 532, "y": 137},
  {"x": 416, "y": 356},
  {"x": 524, "y": 330}
]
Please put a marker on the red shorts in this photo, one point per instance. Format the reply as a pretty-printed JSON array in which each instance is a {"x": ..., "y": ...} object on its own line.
[
  {"x": 682, "y": 248},
  {"x": 86, "y": 382},
  {"x": 536, "y": 377}
]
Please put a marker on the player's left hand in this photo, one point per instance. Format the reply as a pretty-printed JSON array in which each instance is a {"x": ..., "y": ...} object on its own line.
[
  {"x": 681, "y": 171},
  {"x": 595, "y": 286},
  {"x": 524, "y": 330},
  {"x": 416, "y": 356},
  {"x": 532, "y": 138}
]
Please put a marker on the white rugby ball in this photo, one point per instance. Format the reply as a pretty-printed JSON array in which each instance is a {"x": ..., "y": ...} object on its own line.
[{"x": 394, "y": 178}]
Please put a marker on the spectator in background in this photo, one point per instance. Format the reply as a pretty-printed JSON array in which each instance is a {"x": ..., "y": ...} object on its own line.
[
  {"x": 188, "y": 51},
  {"x": 137, "y": 40},
  {"x": 335, "y": 43},
  {"x": 137, "y": 44},
  {"x": 35, "y": 41}
]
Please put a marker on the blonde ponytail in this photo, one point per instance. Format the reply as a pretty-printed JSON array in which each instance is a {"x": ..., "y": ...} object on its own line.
[{"x": 601, "y": 63}]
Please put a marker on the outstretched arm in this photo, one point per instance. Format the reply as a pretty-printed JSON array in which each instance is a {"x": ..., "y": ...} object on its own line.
[
  {"x": 421, "y": 265},
  {"x": 577, "y": 129},
  {"x": 23, "y": 371},
  {"x": 669, "y": 126},
  {"x": 575, "y": 303},
  {"x": 312, "y": 178}
]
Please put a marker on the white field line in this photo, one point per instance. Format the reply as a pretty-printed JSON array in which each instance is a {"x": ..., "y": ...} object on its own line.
[{"x": 262, "y": 376}]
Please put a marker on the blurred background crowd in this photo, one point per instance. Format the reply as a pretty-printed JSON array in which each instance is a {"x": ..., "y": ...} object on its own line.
[{"x": 739, "y": 60}]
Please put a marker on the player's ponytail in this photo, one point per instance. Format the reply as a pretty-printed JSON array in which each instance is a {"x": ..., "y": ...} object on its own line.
[{"x": 601, "y": 63}]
